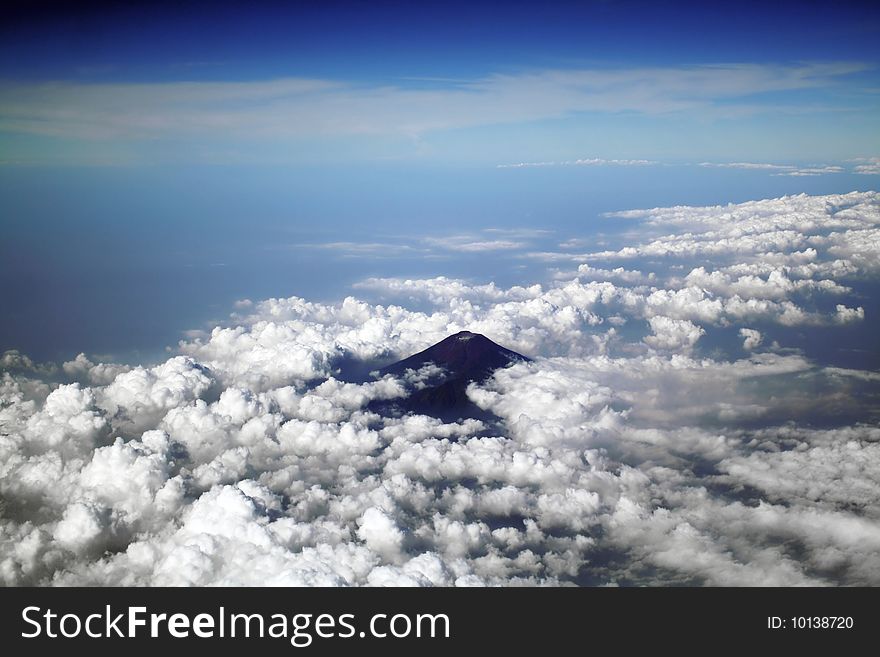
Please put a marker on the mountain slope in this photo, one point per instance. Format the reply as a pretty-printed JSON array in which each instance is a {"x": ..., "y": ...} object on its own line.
[{"x": 454, "y": 363}]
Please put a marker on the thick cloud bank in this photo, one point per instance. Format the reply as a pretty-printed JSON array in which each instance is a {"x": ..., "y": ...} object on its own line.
[{"x": 638, "y": 447}]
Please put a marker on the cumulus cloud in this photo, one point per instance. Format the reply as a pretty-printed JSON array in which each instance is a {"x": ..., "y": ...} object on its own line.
[
  {"x": 83, "y": 369},
  {"x": 752, "y": 339},
  {"x": 139, "y": 398},
  {"x": 838, "y": 227},
  {"x": 585, "y": 271},
  {"x": 674, "y": 334},
  {"x": 631, "y": 449},
  {"x": 13, "y": 360}
]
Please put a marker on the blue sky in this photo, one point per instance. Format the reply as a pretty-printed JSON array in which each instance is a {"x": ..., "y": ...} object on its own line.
[
  {"x": 463, "y": 83},
  {"x": 155, "y": 41}
]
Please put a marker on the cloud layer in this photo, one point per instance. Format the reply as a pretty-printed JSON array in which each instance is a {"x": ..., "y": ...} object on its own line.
[
  {"x": 308, "y": 107},
  {"x": 626, "y": 451}
]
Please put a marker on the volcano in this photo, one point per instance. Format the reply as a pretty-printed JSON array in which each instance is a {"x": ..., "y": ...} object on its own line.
[{"x": 453, "y": 364}]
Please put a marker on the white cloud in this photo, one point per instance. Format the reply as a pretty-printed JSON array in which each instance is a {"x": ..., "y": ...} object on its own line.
[
  {"x": 829, "y": 468},
  {"x": 674, "y": 334},
  {"x": 843, "y": 226},
  {"x": 777, "y": 285},
  {"x": 83, "y": 369},
  {"x": 13, "y": 360},
  {"x": 752, "y": 339},
  {"x": 139, "y": 398},
  {"x": 69, "y": 422},
  {"x": 585, "y": 271},
  {"x": 381, "y": 534}
]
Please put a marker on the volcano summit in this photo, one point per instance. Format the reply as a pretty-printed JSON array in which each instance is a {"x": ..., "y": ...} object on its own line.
[{"x": 439, "y": 376}]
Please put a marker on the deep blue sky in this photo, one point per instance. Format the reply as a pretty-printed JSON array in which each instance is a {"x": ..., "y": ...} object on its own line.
[{"x": 224, "y": 40}]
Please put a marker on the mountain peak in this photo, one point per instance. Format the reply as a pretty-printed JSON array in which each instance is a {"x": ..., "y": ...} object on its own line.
[
  {"x": 464, "y": 355},
  {"x": 464, "y": 358}
]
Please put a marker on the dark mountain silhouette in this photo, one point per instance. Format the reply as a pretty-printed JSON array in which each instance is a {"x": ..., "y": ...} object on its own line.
[{"x": 460, "y": 359}]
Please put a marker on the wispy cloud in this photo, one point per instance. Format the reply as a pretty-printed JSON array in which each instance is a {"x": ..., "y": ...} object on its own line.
[
  {"x": 747, "y": 165},
  {"x": 527, "y": 165},
  {"x": 772, "y": 169},
  {"x": 519, "y": 244},
  {"x": 812, "y": 171},
  {"x": 487, "y": 240},
  {"x": 555, "y": 256},
  {"x": 592, "y": 161},
  {"x": 518, "y": 233},
  {"x": 471, "y": 244},
  {"x": 777, "y": 169},
  {"x": 360, "y": 249},
  {"x": 308, "y": 107}
]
